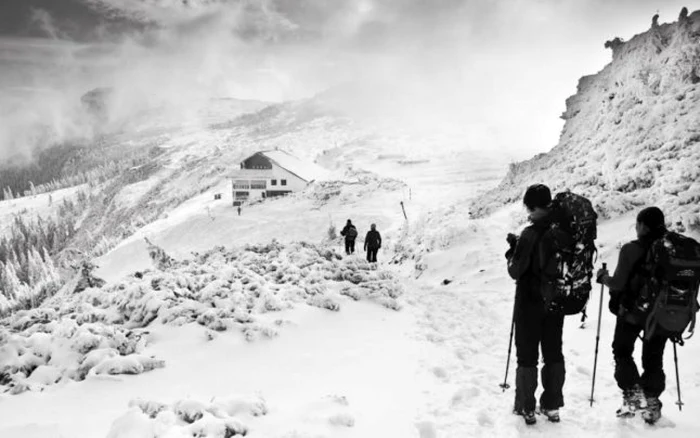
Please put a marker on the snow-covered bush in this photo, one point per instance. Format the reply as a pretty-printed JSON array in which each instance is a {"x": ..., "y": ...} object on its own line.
[
  {"x": 99, "y": 330},
  {"x": 332, "y": 232},
  {"x": 46, "y": 351},
  {"x": 214, "y": 419}
]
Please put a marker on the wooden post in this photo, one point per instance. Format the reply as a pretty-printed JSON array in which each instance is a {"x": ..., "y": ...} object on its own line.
[{"x": 404, "y": 211}]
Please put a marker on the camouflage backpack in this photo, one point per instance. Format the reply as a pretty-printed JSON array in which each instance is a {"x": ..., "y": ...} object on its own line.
[
  {"x": 567, "y": 254},
  {"x": 670, "y": 286}
]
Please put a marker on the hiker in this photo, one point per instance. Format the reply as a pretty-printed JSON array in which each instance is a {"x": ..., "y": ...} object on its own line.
[
  {"x": 534, "y": 326},
  {"x": 239, "y": 210},
  {"x": 350, "y": 233},
  {"x": 625, "y": 286},
  {"x": 373, "y": 241}
]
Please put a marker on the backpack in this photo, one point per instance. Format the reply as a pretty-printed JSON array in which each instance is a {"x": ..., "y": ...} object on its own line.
[
  {"x": 352, "y": 232},
  {"x": 670, "y": 288},
  {"x": 567, "y": 254}
]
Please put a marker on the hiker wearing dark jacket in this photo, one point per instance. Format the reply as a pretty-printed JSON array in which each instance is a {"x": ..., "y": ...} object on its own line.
[
  {"x": 350, "y": 233},
  {"x": 373, "y": 241},
  {"x": 534, "y": 327},
  {"x": 625, "y": 286}
]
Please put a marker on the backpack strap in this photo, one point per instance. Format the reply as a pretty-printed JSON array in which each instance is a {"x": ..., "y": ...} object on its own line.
[
  {"x": 645, "y": 262},
  {"x": 694, "y": 311},
  {"x": 650, "y": 326}
]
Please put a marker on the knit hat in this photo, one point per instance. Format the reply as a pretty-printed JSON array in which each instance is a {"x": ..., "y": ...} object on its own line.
[
  {"x": 537, "y": 195},
  {"x": 652, "y": 217}
]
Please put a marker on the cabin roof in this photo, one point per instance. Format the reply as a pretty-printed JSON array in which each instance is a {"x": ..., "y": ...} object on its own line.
[{"x": 305, "y": 170}]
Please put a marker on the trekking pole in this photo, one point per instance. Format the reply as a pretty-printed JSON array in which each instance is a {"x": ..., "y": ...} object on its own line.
[
  {"x": 505, "y": 384},
  {"x": 678, "y": 380},
  {"x": 597, "y": 336}
]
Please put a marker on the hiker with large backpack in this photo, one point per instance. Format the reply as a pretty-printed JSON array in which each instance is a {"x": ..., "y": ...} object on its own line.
[
  {"x": 552, "y": 263},
  {"x": 653, "y": 291},
  {"x": 350, "y": 233},
  {"x": 373, "y": 241}
]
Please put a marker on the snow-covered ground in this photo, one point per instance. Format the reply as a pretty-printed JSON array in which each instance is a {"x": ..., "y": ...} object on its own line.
[
  {"x": 44, "y": 205},
  {"x": 430, "y": 369}
]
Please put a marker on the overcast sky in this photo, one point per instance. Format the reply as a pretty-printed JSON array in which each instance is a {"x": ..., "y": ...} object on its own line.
[{"x": 502, "y": 67}]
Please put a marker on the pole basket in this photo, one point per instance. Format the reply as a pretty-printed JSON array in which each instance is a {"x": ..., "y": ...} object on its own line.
[{"x": 504, "y": 386}]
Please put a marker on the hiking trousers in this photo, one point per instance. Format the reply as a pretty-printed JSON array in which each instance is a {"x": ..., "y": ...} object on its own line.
[
  {"x": 372, "y": 254},
  {"x": 534, "y": 328},
  {"x": 653, "y": 380},
  {"x": 349, "y": 246}
]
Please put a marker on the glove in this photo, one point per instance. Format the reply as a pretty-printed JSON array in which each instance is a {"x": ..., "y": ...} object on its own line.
[
  {"x": 601, "y": 274},
  {"x": 510, "y": 252},
  {"x": 512, "y": 239}
]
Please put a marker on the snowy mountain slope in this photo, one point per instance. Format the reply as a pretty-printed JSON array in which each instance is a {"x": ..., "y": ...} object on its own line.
[
  {"x": 430, "y": 370},
  {"x": 44, "y": 205},
  {"x": 188, "y": 161},
  {"x": 171, "y": 202},
  {"x": 631, "y": 136}
]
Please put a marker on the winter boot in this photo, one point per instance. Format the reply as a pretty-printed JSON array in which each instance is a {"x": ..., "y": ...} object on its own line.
[
  {"x": 551, "y": 414},
  {"x": 525, "y": 386},
  {"x": 633, "y": 400},
  {"x": 653, "y": 411},
  {"x": 529, "y": 417}
]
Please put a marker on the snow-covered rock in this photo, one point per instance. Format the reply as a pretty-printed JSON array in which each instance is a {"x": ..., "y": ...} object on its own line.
[{"x": 632, "y": 132}]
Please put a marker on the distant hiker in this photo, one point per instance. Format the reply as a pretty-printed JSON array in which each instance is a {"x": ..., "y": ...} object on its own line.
[
  {"x": 350, "y": 233},
  {"x": 636, "y": 278},
  {"x": 239, "y": 210},
  {"x": 373, "y": 241},
  {"x": 534, "y": 326}
]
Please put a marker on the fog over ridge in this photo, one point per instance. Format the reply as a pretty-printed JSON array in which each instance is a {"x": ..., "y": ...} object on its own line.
[{"x": 502, "y": 68}]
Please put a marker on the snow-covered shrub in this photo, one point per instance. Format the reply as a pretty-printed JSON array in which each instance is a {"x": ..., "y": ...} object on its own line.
[
  {"x": 214, "y": 419},
  {"x": 100, "y": 330},
  {"x": 47, "y": 352},
  {"x": 332, "y": 232}
]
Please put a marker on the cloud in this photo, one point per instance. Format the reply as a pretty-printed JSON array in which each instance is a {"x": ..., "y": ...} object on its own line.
[
  {"x": 44, "y": 21},
  {"x": 498, "y": 66}
]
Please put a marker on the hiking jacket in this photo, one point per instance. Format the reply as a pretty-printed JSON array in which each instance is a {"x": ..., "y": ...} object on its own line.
[
  {"x": 525, "y": 260},
  {"x": 373, "y": 240},
  {"x": 345, "y": 232},
  {"x": 626, "y": 282}
]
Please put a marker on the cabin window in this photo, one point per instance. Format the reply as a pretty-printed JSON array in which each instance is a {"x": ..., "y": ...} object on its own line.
[
  {"x": 258, "y": 185},
  {"x": 273, "y": 182},
  {"x": 284, "y": 182},
  {"x": 241, "y": 185}
]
